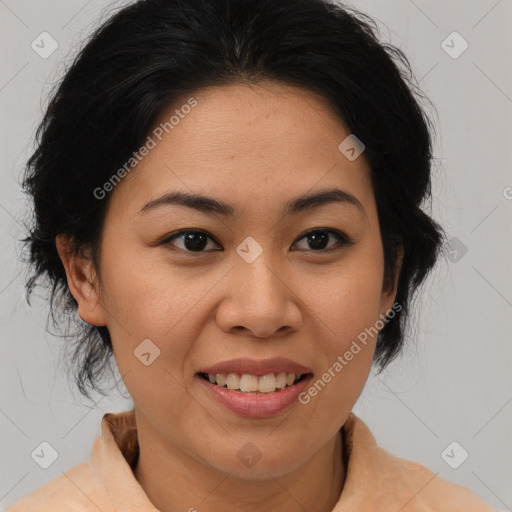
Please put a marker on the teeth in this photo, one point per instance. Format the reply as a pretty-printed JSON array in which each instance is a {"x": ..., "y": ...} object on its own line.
[
  {"x": 281, "y": 380},
  {"x": 248, "y": 383},
  {"x": 252, "y": 383},
  {"x": 266, "y": 383},
  {"x": 233, "y": 381}
]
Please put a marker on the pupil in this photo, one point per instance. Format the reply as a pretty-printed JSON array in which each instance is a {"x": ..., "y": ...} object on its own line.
[
  {"x": 195, "y": 241},
  {"x": 318, "y": 240}
]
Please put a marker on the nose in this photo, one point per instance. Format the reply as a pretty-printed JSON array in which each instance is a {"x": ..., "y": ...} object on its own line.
[{"x": 260, "y": 300}]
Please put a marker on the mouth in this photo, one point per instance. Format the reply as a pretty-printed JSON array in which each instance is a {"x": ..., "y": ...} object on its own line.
[
  {"x": 255, "y": 388},
  {"x": 249, "y": 384}
]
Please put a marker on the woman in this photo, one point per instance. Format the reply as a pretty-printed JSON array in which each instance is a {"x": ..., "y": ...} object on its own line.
[{"x": 227, "y": 194}]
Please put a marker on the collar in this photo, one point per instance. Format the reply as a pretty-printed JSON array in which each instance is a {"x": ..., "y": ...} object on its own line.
[{"x": 375, "y": 479}]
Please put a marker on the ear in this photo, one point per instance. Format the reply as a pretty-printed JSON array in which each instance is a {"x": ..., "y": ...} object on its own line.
[
  {"x": 389, "y": 292},
  {"x": 82, "y": 282}
]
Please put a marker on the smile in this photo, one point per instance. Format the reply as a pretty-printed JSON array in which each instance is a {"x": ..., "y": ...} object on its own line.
[{"x": 253, "y": 384}]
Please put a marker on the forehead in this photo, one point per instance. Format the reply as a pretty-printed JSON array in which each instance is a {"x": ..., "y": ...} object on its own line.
[{"x": 253, "y": 145}]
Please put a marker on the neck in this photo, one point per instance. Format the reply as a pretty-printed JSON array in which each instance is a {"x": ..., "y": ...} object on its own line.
[{"x": 193, "y": 486}]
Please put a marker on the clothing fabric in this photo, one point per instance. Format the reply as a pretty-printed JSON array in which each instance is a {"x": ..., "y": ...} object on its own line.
[{"x": 376, "y": 481}]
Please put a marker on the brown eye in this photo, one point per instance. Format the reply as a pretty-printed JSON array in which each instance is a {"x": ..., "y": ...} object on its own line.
[
  {"x": 318, "y": 240},
  {"x": 191, "y": 240}
]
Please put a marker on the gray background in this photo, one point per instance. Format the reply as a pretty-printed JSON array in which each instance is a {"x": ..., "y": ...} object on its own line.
[{"x": 453, "y": 383}]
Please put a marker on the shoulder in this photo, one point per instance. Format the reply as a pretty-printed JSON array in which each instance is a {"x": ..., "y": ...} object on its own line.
[
  {"x": 75, "y": 490},
  {"x": 435, "y": 493},
  {"x": 379, "y": 480},
  {"x": 104, "y": 482}
]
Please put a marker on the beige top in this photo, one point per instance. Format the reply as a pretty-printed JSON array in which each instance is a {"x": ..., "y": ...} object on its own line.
[{"x": 375, "y": 481}]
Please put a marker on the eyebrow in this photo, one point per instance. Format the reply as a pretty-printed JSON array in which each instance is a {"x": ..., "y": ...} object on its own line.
[{"x": 297, "y": 205}]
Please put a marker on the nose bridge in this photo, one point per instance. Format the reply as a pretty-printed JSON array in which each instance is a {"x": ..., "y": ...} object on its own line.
[
  {"x": 259, "y": 276},
  {"x": 257, "y": 298},
  {"x": 261, "y": 302}
]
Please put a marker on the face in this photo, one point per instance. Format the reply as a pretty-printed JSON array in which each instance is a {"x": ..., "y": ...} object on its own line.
[{"x": 263, "y": 286}]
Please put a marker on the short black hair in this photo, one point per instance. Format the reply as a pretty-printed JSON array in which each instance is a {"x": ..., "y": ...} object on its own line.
[{"x": 150, "y": 53}]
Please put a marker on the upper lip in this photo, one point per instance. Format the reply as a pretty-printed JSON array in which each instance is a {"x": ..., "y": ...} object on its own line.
[{"x": 257, "y": 366}]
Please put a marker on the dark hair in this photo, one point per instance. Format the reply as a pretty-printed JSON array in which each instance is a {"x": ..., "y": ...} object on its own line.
[{"x": 150, "y": 53}]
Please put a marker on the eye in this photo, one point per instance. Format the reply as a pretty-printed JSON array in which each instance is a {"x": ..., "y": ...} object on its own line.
[
  {"x": 192, "y": 240},
  {"x": 197, "y": 240},
  {"x": 318, "y": 240}
]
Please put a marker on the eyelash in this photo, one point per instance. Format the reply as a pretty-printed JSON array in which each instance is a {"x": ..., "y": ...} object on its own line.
[{"x": 342, "y": 239}]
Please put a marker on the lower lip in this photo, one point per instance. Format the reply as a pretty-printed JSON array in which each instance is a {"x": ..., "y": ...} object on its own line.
[{"x": 260, "y": 405}]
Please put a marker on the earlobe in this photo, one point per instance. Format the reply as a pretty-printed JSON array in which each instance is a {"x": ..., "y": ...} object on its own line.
[{"x": 82, "y": 282}]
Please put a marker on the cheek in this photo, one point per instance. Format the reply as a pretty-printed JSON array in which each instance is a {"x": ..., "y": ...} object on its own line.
[
  {"x": 347, "y": 300},
  {"x": 148, "y": 298},
  {"x": 156, "y": 303},
  {"x": 345, "y": 317},
  {"x": 346, "y": 309},
  {"x": 146, "y": 293}
]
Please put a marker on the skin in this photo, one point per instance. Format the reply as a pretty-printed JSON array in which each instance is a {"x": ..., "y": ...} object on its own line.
[{"x": 255, "y": 147}]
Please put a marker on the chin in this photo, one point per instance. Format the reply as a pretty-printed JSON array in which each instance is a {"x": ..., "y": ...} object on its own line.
[{"x": 250, "y": 463}]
